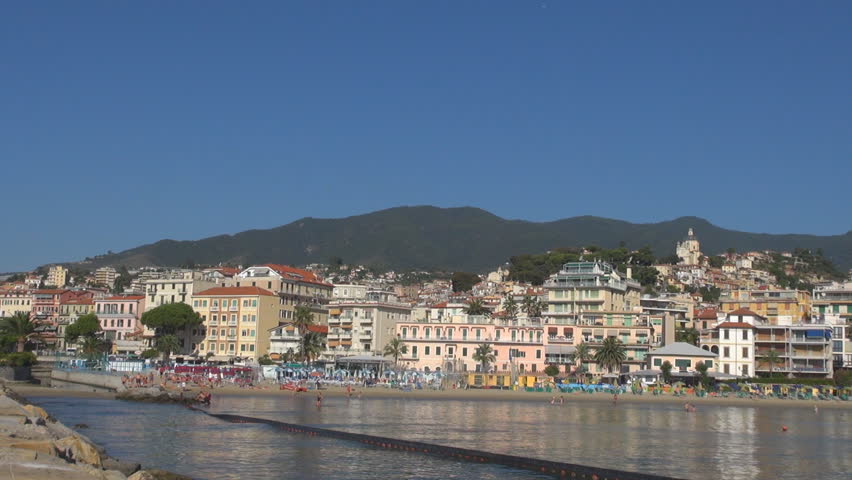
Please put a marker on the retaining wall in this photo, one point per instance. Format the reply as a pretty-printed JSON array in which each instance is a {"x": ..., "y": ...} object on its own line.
[{"x": 89, "y": 379}]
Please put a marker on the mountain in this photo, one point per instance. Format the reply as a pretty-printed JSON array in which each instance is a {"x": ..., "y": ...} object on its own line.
[{"x": 465, "y": 238}]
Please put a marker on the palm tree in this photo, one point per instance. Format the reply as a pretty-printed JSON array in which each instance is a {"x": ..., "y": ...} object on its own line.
[
  {"x": 611, "y": 354},
  {"x": 93, "y": 346},
  {"x": 528, "y": 305},
  {"x": 582, "y": 354},
  {"x": 303, "y": 318},
  {"x": 313, "y": 344},
  {"x": 702, "y": 368},
  {"x": 167, "y": 344},
  {"x": 395, "y": 348},
  {"x": 476, "y": 307},
  {"x": 20, "y": 327},
  {"x": 772, "y": 357},
  {"x": 510, "y": 306},
  {"x": 484, "y": 354}
]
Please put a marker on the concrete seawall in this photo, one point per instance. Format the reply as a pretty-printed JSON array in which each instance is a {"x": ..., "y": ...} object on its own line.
[{"x": 101, "y": 381}]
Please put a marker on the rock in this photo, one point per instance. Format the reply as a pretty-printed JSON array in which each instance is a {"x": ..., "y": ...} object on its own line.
[
  {"x": 34, "y": 411},
  {"x": 127, "y": 468},
  {"x": 44, "y": 447},
  {"x": 157, "y": 475},
  {"x": 80, "y": 425},
  {"x": 81, "y": 451}
]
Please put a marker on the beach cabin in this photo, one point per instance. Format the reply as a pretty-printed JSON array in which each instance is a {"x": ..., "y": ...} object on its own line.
[{"x": 682, "y": 356}]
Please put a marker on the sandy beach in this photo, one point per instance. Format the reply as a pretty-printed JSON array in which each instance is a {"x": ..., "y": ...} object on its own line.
[{"x": 470, "y": 395}]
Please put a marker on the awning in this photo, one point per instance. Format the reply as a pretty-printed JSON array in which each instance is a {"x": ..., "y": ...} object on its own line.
[
  {"x": 363, "y": 359},
  {"x": 559, "y": 350}
]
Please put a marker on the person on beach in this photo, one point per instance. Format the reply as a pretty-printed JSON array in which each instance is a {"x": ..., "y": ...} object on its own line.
[
  {"x": 553, "y": 400},
  {"x": 319, "y": 400},
  {"x": 561, "y": 399}
]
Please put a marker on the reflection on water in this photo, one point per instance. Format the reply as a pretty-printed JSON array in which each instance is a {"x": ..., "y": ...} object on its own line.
[{"x": 715, "y": 442}]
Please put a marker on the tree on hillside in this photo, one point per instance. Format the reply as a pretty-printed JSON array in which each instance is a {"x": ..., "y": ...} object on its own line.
[
  {"x": 532, "y": 306},
  {"x": 716, "y": 262},
  {"x": 476, "y": 307},
  {"x": 395, "y": 348},
  {"x": 687, "y": 335},
  {"x": 170, "y": 319},
  {"x": 84, "y": 327},
  {"x": 611, "y": 354},
  {"x": 510, "y": 306},
  {"x": 464, "y": 281},
  {"x": 19, "y": 327},
  {"x": 484, "y": 354}
]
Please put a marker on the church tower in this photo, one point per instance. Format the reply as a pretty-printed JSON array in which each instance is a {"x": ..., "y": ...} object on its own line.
[{"x": 689, "y": 250}]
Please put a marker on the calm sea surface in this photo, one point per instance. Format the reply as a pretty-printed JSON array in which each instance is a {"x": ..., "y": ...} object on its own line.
[{"x": 715, "y": 442}]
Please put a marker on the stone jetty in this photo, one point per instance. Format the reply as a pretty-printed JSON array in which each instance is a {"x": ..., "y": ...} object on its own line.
[{"x": 34, "y": 446}]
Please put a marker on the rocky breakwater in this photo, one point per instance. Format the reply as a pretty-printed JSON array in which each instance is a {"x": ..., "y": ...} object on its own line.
[
  {"x": 34, "y": 446},
  {"x": 158, "y": 395}
]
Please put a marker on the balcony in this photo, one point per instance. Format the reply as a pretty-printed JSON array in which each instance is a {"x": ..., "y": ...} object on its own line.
[
  {"x": 233, "y": 308},
  {"x": 808, "y": 340},
  {"x": 214, "y": 308},
  {"x": 213, "y": 323},
  {"x": 365, "y": 321},
  {"x": 560, "y": 339},
  {"x": 232, "y": 338},
  {"x": 213, "y": 336}
]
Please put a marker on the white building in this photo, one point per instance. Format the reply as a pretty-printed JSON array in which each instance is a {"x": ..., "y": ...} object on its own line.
[
  {"x": 733, "y": 340},
  {"x": 689, "y": 250}
]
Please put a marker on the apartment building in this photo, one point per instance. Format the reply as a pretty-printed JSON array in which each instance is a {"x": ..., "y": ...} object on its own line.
[
  {"x": 590, "y": 287},
  {"x": 294, "y": 287},
  {"x": 832, "y": 304},
  {"x": 69, "y": 311},
  {"x": 175, "y": 286},
  {"x": 236, "y": 322},
  {"x": 285, "y": 339},
  {"x": 120, "y": 320},
  {"x": 15, "y": 301},
  {"x": 635, "y": 331},
  {"x": 744, "y": 338},
  {"x": 105, "y": 276},
  {"x": 677, "y": 308},
  {"x": 447, "y": 344},
  {"x": 363, "y": 327},
  {"x": 56, "y": 276},
  {"x": 778, "y": 307}
]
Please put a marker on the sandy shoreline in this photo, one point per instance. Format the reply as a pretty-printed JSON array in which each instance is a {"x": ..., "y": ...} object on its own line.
[{"x": 469, "y": 395}]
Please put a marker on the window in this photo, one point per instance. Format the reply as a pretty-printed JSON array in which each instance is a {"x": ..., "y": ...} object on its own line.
[
  {"x": 242, "y": 348},
  {"x": 538, "y": 354},
  {"x": 438, "y": 351},
  {"x": 497, "y": 334},
  {"x": 254, "y": 303},
  {"x": 464, "y": 352},
  {"x": 426, "y": 350},
  {"x": 251, "y": 347},
  {"x": 245, "y": 318},
  {"x": 708, "y": 363},
  {"x": 658, "y": 362},
  {"x": 726, "y": 352},
  {"x": 254, "y": 318},
  {"x": 204, "y": 303},
  {"x": 404, "y": 332},
  {"x": 745, "y": 334},
  {"x": 683, "y": 363},
  {"x": 414, "y": 351},
  {"x": 745, "y": 352},
  {"x": 726, "y": 368},
  {"x": 244, "y": 333},
  {"x": 726, "y": 334},
  {"x": 195, "y": 303},
  {"x": 745, "y": 370}
]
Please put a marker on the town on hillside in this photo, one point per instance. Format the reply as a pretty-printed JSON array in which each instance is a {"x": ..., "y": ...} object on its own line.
[{"x": 728, "y": 316}]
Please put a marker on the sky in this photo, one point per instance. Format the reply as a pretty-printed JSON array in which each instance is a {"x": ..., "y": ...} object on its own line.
[{"x": 123, "y": 123}]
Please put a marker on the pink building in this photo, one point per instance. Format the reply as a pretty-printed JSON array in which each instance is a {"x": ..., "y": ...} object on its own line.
[
  {"x": 448, "y": 344},
  {"x": 120, "y": 315}
]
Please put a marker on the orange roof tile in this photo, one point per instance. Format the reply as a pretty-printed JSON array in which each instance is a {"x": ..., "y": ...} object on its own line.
[
  {"x": 127, "y": 297},
  {"x": 735, "y": 325},
  {"x": 293, "y": 273},
  {"x": 707, "y": 314},
  {"x": 218, "y": 291},
  {"x": 744, "y": 311}
]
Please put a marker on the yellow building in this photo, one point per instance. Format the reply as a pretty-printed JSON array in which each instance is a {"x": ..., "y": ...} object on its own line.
[
  {"x": 779, "y": 307},
  {"x": 237, "y": 321},
  {"x": 56, "y": 276},
  {"x": 15, "y": 301}
]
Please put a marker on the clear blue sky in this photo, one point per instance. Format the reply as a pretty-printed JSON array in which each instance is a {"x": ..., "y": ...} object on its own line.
[{"x": 122, "y": 123}]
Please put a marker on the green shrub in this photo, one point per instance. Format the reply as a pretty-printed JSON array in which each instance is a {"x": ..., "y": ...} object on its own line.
[
  {"x": 150, "y": 353},
  {"x": 23, "y": 359},
  {"x": 551, "y": 370},
  {"x": 265, "y": 360}
]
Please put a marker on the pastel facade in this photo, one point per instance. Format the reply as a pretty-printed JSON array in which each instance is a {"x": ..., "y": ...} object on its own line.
[
  {"x": 15, "y": 301},
  {"x": 69, "y": 311},
  {"x": 449, "y": 345},
  {"x": 285, "y": 339},
  {"x": 105, "y": 276},
  {"x": 237, "y": 321},
  {"x": 832, "y": 303},
  {"x": 120, "y": 317},
  {"x": 590, "y": 287},
  {"x": 56, "y": 276},
  {"x": 294, "y": 287},
  {"x": 683, "y": 357},
  {"x": 363, "y": 327},
  {"x": 177, "y": 286},
  {"x": 778, "y": 307}
]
